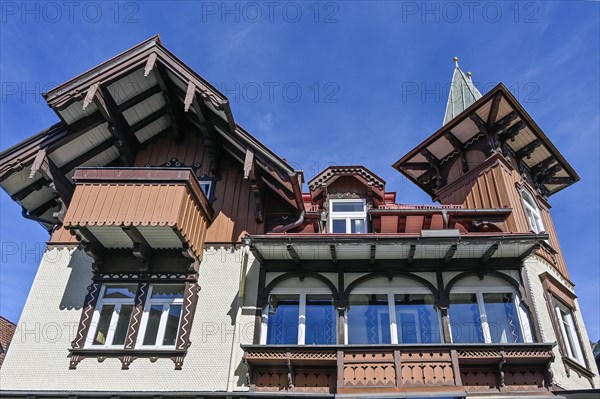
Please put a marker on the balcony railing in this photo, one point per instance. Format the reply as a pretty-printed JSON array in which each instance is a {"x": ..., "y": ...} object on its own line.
[
  {"x": 141, "y": 209},
  {"x": 450, "y": 369}
]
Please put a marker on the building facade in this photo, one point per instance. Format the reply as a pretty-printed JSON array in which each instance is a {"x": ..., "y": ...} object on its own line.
[{"x": 184, "y": 260}]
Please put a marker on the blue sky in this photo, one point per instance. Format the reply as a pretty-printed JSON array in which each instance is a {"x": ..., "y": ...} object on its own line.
[{"x": 328, "y": 83}]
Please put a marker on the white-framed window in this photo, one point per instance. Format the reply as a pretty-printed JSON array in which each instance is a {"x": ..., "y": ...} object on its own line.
[
  {"x": 206, "y": 185},
  {"x": 568, "y": 331},
  {"x": 489, "y": 315},
  {"x": 397, "y": 316},
  {"x": 160, "y": 321},
  {"x": 111, "y": 317},
  {"x": 347, "y": 216},
  {"x": 299, "y": 317},
  {"x": 532, "y": 212}
]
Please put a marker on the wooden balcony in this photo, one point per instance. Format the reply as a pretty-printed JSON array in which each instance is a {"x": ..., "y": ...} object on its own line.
[
  {"x": 142, "y": 211},
  {"x": 445, "y": 369}
]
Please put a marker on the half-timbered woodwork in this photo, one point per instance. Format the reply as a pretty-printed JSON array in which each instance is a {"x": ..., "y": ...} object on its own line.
[{"x": 184, "y": 260}]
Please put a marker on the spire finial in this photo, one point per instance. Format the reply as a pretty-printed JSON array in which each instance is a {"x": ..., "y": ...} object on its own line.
[
  {"x": 456, "y": 60},
  {"x": 469, "y": 74}
]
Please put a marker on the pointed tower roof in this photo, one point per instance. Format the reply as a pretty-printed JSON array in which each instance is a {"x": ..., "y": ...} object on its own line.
[{"x": 463, "y": 93}]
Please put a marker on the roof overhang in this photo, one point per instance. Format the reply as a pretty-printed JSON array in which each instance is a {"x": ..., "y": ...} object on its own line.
[
  {"x": 514, "y": 131},
  {"x": 111, "y": 111},
  {"x": 446, "y": 245}
]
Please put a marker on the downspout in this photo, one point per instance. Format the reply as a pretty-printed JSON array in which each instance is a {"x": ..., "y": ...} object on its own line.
[
  {"x": 297, "y": 187},
  {"x": 290, "y": 226},
  {"x": 236, "y": 330}
]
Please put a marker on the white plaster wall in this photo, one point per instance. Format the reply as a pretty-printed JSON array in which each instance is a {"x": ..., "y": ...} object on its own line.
[
  {"x": 534, "y": 267},
  {"x": 38, "y": 356}
]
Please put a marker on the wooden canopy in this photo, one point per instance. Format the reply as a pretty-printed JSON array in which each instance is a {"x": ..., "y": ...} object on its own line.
[
  {"x": 110, "y": 112},
  {"x": 506, "y": 127}
]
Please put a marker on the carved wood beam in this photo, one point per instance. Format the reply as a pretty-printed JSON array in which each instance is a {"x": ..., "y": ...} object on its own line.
[
  {"x": 503, "y": 124},
  {"x": 541, "y": 167},
  {"x": 459, "y": 147},
  {"x": 91, "y": 246},
  {"x": 510, "y": 134},
  {"x": 527, "y": 150},
  {"x": 558, "y": 180},
  {"x": 432, "y": 159},
  {"x": 170, "y": 97},
  {"x": 529, "y": 251},
  {"x": 416, "y": 165},
  {"x": 450, "y": 253},
  {"x": 494, "y": 110},
  {"x": 141, "y": 249},
  {"x": 483, "y": 129},
  {"x": 257, "y": 188},
  {"x": 58, "y": 181},
  {"x": 411, "y": 253},
  {"x": 127, "y": 144},
  {"x": 249, "y": 165},
  {"x": 333, "y": 252},
  {"x": 489, "y": 253},
  {"x": 292, "y": 251},
  {"x": 257, "y": 255},
  {"x": 206, "y": 126},
  {"x": 186, "y": 251}
]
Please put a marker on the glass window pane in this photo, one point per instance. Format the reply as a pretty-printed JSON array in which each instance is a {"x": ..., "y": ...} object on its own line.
[
  {"x": 353, "y": 206},
  {"x": 368, "y": 319},
  {"x": 103, "y": 324},
  {"x": 172, "y": 325},
  {"x": 502, "y": 318},
  {"x": 167, "y": 291},
  {"x": 357, "y": 226},
  {"x": 465, "y": 320},
  {"x": 152, "y": 324},
  {"x": 282, "y": 325},
  {"x": 320, "y": 320},
  {"x": 338, "y": 226},
  {"x": 416, "y": 319},
  {"x": 122, "y": 324},
  {"x": 120, "y": 291}
]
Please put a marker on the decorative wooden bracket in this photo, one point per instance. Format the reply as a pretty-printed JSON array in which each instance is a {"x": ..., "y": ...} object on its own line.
[
  {"x": 436, "y": 165},
  {"x": 458, "y": 146}
]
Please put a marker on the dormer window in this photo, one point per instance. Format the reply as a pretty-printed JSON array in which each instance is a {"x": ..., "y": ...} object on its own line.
[
  {"x": 348, "y": 216},
  {"x": 532, "y": 213}
]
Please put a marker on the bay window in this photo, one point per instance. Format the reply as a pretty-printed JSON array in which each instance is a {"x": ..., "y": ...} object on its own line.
[
  {"x": 486, "y": 316},
  {"x": 303, "y": 318},
  {"x": 347, "y": 216},
  {"x": 392, "y": 317}
]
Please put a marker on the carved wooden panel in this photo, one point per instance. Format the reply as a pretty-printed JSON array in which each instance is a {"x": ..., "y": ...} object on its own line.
[
  {"x": 86, "y": 316},
  {"x": 136, "y": 315},
  {"x": 187, "y": 315},
  {"x": 479, "y": 379}
]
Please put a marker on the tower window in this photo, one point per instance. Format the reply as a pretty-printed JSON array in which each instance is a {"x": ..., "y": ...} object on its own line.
[{"x": 532, "y": 213}]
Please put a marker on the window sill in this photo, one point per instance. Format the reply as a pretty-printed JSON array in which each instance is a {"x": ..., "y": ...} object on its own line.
[
  {"x": 126, "y": 356},
  {"x": 579, "y": 368}
]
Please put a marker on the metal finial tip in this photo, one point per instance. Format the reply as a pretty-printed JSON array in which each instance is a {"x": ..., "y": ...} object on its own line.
[
  {"x": 455, "y": 59},
  {"x": 469, "y": 74}
]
